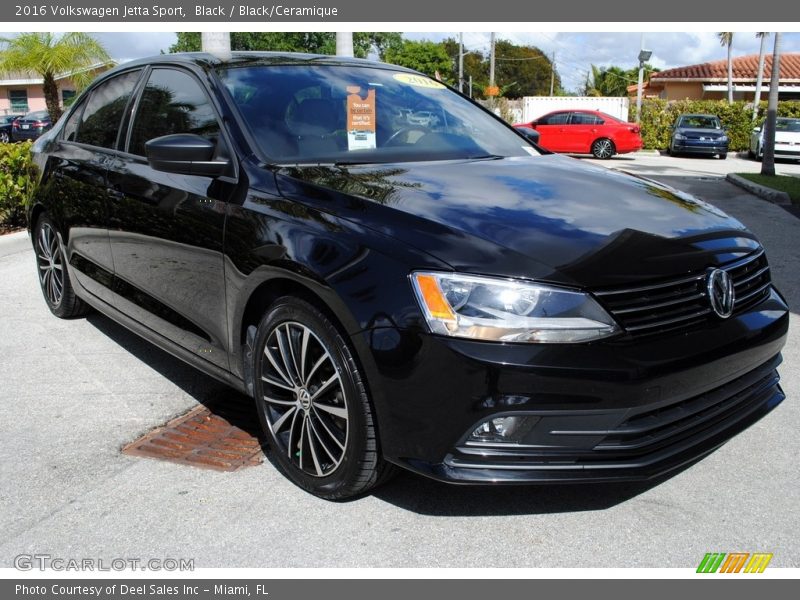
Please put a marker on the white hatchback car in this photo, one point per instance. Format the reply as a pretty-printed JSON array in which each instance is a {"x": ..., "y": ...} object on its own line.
[{"x": 787, "y": 140}]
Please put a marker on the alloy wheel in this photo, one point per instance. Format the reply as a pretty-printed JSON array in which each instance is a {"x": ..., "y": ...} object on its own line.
[
  {"x": 305, "y": 401},
  {"x": 51, "y": 265},
  {"x": 603, "y": 149}
]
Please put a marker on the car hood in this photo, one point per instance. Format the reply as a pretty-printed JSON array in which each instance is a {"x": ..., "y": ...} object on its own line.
[
  {"x": 712, "y": 133},
  {"x": 548, "y": 217},
  {"x": 787, "y": 136}
]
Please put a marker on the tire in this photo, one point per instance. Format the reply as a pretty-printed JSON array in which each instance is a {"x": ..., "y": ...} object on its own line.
[
  {"x": 603, "y": 148},
  {"x": 750, "y": 154},
  {"x": 723, "y": 156},
  {"x": 51, "y": 266},
  {"x": 313, "y": 406},
  {"x": 5, "y": 138}
]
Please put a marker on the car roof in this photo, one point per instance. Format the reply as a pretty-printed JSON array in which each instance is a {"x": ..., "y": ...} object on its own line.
[
  {"x": 697, "y": 115},
  {"x": 207, "y": 60}
]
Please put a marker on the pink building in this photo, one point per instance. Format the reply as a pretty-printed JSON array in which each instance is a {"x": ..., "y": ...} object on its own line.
[{"x": 21, "y": 93}]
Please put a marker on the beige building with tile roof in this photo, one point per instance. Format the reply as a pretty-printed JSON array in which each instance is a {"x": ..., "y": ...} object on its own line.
[{"x": 709, "y": 81}]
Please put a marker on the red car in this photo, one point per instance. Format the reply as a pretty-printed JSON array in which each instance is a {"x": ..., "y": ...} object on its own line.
[{"x": 585, "y": 132}]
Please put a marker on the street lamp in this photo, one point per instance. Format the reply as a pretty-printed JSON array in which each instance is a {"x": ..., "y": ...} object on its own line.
[{"x": 644, "y": 56}]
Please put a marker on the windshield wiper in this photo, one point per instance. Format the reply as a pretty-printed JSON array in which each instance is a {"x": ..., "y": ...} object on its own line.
[{"x": 485, "y": 157}]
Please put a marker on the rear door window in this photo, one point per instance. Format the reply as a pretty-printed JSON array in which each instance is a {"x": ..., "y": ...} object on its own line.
[{"x": 100, "y": 122}]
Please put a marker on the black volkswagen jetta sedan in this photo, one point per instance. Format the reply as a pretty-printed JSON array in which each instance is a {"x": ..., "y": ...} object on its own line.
[{"x": 430, "y": 293}]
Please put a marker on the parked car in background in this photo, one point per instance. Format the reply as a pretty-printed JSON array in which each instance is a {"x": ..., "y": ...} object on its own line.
[
  {"x": 6, "y": 122},
  {"x": 699, "y": 134},
  {"x": 453, "y": 302},
  {"x": 585, "y": 132},
  {"x": 787, "y": 140},
  {"x": 423, "y": 118},
  {"x": 31, "y": 126}
]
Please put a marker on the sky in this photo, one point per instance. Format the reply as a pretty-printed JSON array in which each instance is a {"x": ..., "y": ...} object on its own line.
[{"x": 575, "y": 52}]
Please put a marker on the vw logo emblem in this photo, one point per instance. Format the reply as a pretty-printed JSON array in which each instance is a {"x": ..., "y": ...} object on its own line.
[{"x": 720, "y": 292}]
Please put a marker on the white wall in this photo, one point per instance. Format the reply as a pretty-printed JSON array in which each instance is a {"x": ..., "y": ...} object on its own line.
[{"x": 534, "y": 107}]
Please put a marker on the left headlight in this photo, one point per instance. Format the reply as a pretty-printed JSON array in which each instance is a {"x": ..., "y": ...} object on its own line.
[
  {"x": 723, "y": 138},
  {"x": 508, "y": 310}
]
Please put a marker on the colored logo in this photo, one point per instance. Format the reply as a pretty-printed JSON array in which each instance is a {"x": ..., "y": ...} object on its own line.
[
  {"x": 734, "y": 562},
  {"x": 720, "y": 292}
]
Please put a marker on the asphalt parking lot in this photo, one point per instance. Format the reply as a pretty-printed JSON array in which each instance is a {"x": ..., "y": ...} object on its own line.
[{"x": 74, "y": 392}]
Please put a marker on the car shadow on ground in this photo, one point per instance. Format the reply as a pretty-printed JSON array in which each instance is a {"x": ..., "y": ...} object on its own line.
[
  {"x": 407, "y": 490},
  {"x": 204, "y": 389},
  {"x": 428, "y": 497}
]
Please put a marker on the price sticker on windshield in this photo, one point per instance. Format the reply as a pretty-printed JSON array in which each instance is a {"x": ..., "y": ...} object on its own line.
[
  {"x": 360, "y": 119},
  {"x": 419, "y": 81}
]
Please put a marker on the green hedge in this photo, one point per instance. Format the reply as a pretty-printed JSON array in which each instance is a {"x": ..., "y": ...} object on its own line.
[
  {"x": 17, "y": 179},
  {"x": 659, "y": 115}
]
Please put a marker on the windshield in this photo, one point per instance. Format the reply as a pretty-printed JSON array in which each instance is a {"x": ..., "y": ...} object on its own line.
[
  {"x": 700, "y": 122},
  {"x": 792, "y": 125},
  {"x": 315, "y": 114}
]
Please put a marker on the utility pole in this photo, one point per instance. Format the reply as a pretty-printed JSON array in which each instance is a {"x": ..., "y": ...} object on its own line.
[
  {"x": 552, "y": 72},
  {"x": 461, "y": 62},
  {"x": 470, "y": 86},
  {"x": 344, "y": 43},
  {"x": 644, "y": 56},
  {"x": 491, "y": 59},
  {"x": 217, "y": 43}
]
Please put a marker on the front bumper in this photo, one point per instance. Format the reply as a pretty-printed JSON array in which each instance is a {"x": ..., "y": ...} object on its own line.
[
  {"x": 699, "y": 147},
  {"x": 622, "y": 410}
]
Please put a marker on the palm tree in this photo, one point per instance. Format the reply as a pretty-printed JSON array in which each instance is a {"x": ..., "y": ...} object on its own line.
[
  {"x": 768, "y": 164},
  {"x": 760, "y": 78},
  {"x": 49, "y": 56},
  {"x": 726, "y": 39}
]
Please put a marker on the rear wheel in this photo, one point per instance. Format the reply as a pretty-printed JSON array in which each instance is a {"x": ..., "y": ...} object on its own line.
[
  {"x": 53, "y": 276},
  {"x": 313, "y": 404},
  {"x": 603, "y": 148}
]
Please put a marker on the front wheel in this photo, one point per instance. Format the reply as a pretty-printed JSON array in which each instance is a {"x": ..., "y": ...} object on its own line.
[
  {"x": 603, "y": 149},
  {"x": 4, "y": 137},
  {"x": 723, "y": 155},
  {"x": 313, "y": 404},
  {"x": 53, "y": 276}
]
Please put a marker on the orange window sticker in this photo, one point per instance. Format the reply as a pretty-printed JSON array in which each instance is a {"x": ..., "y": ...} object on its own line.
[{"x": 360, "y": 119}]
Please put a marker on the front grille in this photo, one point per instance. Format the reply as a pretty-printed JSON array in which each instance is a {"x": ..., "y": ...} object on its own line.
[{"x": 683, "y": 302}]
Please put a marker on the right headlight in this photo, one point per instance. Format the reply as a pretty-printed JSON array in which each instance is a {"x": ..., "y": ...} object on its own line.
[
  {"x": 680, "y": 136},
  {"x": 508, "y": 310}
]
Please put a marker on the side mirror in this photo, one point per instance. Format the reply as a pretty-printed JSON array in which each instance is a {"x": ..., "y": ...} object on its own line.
[
  {"x": 184, "y": 153},
  {"x": 530, "y": 134}
]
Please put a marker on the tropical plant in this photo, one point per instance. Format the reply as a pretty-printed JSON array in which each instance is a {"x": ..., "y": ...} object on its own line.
[
  {"x": 762, "y": 35},
  {"x": 768, "y": 164},
  {"x": 50, "y": 55},
  {"x": 17, "y": 177},
  {"x": 726, "y": 40}
]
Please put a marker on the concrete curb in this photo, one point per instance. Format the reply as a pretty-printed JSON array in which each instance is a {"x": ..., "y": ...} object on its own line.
[
  {"x": 13, "y": 243},
  {"x": 774, "y": 196},
  {"x": 648, "y": 152}
]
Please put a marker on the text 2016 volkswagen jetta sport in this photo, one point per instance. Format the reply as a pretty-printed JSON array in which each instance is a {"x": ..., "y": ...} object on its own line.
[{"x": 427, "y": 292}]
